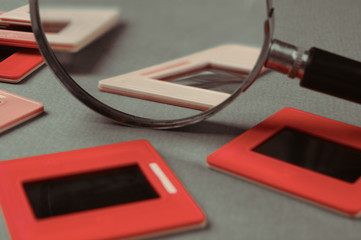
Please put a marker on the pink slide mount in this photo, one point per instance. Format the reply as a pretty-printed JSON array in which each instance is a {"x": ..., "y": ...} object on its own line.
[
  {"x": 301, "y": 154},
  {"x": 117, "y": 191},
  {"x": 15, "y": 110}
]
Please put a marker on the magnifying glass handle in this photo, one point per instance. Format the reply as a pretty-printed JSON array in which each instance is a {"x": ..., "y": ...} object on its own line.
[
  {"x": 333, "y": 74},
  {"x": 318, "y": 70}
]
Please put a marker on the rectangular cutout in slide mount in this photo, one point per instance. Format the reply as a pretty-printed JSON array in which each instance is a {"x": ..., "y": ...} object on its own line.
[
  {"x": 314, "y": 153},
  {"x": 305, "y": 155},
  {"x": 71, "y": 194},
  {"x": 200, "y": 81},
  {"x": 116, "y": 191},
  {"x": 15, "y": 110},
  {"x": 210, "y": 78}
]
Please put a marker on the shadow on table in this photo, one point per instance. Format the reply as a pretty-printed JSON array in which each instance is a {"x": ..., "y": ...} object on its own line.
[
  {"x": 28, "y": 122},
  {"x": 211, "y": 127},
  {"x": 90, "y": 58}
]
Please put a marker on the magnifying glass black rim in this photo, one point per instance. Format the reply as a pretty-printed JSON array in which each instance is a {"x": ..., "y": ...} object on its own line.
[{"x": 124, "y": 118}]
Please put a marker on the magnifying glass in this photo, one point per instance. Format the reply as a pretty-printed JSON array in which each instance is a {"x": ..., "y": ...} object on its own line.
[{"x": 125, "y": 58}]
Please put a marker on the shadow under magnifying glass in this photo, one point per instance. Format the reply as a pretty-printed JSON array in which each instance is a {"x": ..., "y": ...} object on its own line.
[{"x": 89, "y": 59}]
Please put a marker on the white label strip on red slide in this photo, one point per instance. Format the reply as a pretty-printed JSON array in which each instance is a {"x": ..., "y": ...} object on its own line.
[{"x": 167, "y": 184}]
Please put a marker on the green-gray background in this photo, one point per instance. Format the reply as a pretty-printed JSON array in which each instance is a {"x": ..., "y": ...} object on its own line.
[{"x": 235, "y": 209}]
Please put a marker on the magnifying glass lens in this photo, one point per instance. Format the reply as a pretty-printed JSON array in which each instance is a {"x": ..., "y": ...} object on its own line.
[{"x": 158, "y": 60}]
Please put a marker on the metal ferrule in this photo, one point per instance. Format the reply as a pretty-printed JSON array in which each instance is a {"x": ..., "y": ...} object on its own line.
[{"x": 287, "y": 59}]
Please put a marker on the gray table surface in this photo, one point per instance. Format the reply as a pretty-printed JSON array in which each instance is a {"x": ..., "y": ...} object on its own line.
[{"x": 235, "y": 209}]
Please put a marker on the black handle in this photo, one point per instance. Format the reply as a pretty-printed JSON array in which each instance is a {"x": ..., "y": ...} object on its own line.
[{"x": 333, "y": 74}]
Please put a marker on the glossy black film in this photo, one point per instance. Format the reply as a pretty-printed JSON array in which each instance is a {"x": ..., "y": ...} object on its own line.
[
  {"x": 314, "y": 153},
  {"x": 88, "y": 191}
]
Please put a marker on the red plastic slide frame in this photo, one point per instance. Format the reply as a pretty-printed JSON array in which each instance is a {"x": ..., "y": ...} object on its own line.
[
  {"x": 20, "y": 64},
  {"x": 173, "y": 210},
  {"x": 237, "y": 158}
]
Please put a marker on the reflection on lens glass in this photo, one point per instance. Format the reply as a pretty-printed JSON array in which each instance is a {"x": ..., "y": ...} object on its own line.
[
  {"x": 95, "y": 41},
  {"x": 211, "y": 78}
]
